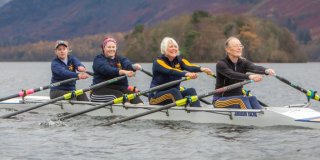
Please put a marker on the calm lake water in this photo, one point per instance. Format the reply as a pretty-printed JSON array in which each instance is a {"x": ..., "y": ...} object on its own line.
[{"x": 79, "y": 138}]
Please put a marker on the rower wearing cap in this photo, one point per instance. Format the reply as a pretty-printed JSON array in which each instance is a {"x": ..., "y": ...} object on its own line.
[
  {"x": 63, "y": 67},
  {"x": 109, "y": 65},
  {"x": 170, "y": 67}
]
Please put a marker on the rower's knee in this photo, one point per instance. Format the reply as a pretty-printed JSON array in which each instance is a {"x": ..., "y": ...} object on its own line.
[{"x": 176, "y": 93}]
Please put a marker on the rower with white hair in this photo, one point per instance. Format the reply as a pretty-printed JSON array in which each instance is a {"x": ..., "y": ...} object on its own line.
[
  {"x": 170, "y": 66},
  {"x": 233, "y": 69}
]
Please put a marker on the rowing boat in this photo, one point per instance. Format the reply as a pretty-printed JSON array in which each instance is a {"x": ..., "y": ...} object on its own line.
[{"x": 292, "y": 115}]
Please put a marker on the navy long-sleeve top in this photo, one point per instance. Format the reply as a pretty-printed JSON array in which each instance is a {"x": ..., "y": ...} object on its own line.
[
  {"x": 106, "y": 68},
  {"x": 229, "y": 73},
  {"x": 165, "y": 71},
  {"x": 61, "y": 71}
]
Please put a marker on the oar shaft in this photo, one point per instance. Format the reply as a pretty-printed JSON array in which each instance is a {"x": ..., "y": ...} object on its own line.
[
  {"x": 146, "y": 72},
  {"x": 141, "y": 114},
  {"x": 106, "y": 82},
  {"x": 263, "y": 104},
  {"x": 31, "y": 91},
  {"x": 202, "y": 100},
  {"x": 309, "y": 93},
  {"x": 32, "y": 108},
  {"x": 260, "y": 102},
  {"x": 120, "y": 99},
  {"x": 94, "y": 108},
  {"x": 85, "y": 111},
  {"x": 291, "y": 84},
  {"x": 169, "y": 84},
  {"x": 226, "y": 88},
  {"x": 90, "y": 73},
  {"x": 9, "y": 97},
  {"x": 59, "y": 83},
  {"x": 205, "y": 101},
  {"x": 213, "y": 75},
  {"x": 65, "y": 96},
  {"x": 220, "y": 90}
]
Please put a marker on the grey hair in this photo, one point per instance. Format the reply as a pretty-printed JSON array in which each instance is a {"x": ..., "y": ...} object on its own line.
[
  {"x": 165, "y": 42},
  {"x": 226, "y": 44}
]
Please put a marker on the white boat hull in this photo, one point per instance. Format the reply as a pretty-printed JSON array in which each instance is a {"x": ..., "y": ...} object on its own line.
[{"x": 269, "y": 116}]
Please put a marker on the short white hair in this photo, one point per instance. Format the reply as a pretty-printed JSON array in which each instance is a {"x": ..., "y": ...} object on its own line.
[
  {"x": 226, "y": 44},
  {"x": 165, "y": 42}
]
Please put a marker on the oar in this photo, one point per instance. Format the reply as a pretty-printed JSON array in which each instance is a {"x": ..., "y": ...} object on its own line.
[
  {"x": 129, "y": 97},
  {"x": 90, "y": 73},
  {"x": 202, "y": 100},
  {"x": 30, "y": 91},
  {"x": 310, "y": 94},
  {"x": 150, "y": 74},
  {"x": 245, "y": 92},
  {"x": 66, "y": 96},
  {"x": 146, "y": 72},
  {"x": 24, "y": 93},
  {"x": 181, "y": 102}
]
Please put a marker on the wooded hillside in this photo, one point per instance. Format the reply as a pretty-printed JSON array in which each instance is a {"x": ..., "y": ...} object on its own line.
[{"x": 200, "y": 36}]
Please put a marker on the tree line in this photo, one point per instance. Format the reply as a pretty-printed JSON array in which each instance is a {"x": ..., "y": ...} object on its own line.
[{"x": 200, "y": 37}]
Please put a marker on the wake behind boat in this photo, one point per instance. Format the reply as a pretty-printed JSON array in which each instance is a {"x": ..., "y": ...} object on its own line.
[{"x": 292, "y": 115}]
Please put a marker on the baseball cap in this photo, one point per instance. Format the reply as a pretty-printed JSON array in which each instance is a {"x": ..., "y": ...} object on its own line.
[{"x": 61, "y": 42}]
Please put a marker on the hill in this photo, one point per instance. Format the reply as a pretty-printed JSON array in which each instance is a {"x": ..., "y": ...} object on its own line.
[
  {"x": 33, "y": 20},
  {"x": 200, "y": 36}
]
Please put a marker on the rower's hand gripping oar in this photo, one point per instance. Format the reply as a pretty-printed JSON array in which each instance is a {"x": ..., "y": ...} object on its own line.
[
  {"x": 150, "y": 74},
  {"x": 66, "y": 96},
  {"x": 245, "y": 92},
  {"x": 129, "y": 97},
  {"x": 181, "y": 102},
  {"x": 31, "y": 91},
  {"x": 309, "y": 93}
]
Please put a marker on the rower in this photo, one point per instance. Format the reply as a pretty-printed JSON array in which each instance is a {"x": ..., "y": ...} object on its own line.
[
  {"x": 109, "y": 65},
  {"x": 63, "y": 67},
  {"x": 171, "y": 66},
  {"x": 233, "y": 69}
]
